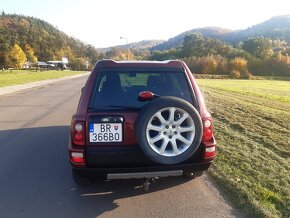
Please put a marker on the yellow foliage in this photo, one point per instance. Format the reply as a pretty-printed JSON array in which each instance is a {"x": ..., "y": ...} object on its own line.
[
  {"x": 30, "y": 54},
  {"x": 17, "y": 56},
  {"x": 239, "y": 64},
  {"x": 210, "y": 66}
]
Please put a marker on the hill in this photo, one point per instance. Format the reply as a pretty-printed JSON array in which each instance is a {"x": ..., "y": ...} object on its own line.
[
  {"x": 213, "y": 32},
  {"x": 40, "y": 40},
  {"x": 275, "y": 28},
  {"x": 144, "y": 44}
]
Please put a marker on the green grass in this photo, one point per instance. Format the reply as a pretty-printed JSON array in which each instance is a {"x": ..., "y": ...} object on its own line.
[
  {"x": 252, "y": 126},
  {"x": 17, "y": 77}
]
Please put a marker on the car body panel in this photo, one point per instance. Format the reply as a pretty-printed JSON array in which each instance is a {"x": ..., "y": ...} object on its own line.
[{"x": 119, "y": 157}]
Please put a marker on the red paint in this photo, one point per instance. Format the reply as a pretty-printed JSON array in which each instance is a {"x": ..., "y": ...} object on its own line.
[{"x": 81, "y": 138}]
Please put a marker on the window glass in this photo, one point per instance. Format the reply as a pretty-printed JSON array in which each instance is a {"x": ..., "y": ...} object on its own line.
[{"x": 121, "y": 89}]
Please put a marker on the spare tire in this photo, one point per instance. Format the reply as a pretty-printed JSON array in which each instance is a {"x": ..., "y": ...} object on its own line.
[{"x": 169, "y": 130}]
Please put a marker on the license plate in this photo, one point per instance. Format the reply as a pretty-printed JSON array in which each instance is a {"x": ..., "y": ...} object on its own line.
[{"x": 106, "y": 132}]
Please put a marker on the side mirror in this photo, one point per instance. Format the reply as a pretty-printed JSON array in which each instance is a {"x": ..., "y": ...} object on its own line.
[{"x": 146, "y": 96}]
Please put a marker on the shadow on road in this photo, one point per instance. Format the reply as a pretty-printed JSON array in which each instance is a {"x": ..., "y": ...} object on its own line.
[
  {"x": 36, "y": 181},
  {"x": 105, "y": 193}
]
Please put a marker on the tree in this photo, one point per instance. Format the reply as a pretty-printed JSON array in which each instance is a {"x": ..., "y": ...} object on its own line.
[
  {"x": 120, "y": 54},
  {"x": 197, "y": 45},
  {"x": 260, "y": 47},
  {"x": 280, "y": 46},
  {"x": 164, "y": 55},
  {"x": 193, "y": 45},
  {"x": 17, "y": 56},
  {"x": 78, "y": 63},
  {"x": 4, "y": 59},
  {"x": 240, "y": 65},
  {"x": 92, "y": 54},
  {"x": 210, "y": 65},
  {"x": 4, "y": 53},
  {"x": 30, "y": 54}
]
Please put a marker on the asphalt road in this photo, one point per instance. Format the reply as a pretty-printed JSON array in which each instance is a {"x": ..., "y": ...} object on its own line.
[{"x": 35, "y": 175}]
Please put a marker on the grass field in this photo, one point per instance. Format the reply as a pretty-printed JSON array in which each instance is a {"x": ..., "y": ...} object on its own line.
[
  {"x": 252, "y": 126},
  {"x": 17, "y": 77}
]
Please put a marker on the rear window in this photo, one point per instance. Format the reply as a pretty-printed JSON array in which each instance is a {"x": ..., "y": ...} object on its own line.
[{"x": 121, "y": 89}]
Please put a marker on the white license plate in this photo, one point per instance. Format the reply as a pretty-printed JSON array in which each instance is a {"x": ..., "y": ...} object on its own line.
[{"x": 106, "y": 132}]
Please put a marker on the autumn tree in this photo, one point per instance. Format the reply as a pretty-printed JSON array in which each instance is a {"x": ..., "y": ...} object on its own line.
[
  {"x": 240, "y": 66},
  {"x": 29, "y": 52},
  {"x": 210, "y": 65},
  {"x": 4, "y": 55},
  {"x": 78, "y": 63},
  {"x": 17, "y": 56},
  {"x": 120, "y": 54},
  {"x": 40, "y": 40},
  {"x": 260, "y": 47}
]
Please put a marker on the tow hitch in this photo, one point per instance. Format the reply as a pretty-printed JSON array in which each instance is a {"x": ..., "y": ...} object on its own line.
[
  {"x": 149, "y": 177},
  {"x": 147, "y": 182}
]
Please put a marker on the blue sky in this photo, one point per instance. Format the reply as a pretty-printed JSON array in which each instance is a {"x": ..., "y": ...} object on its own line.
[{"x": 102, "y": 23}]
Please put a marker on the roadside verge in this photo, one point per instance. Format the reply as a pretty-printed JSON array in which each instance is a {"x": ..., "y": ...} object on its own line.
[{"x": 16, "y": 88}]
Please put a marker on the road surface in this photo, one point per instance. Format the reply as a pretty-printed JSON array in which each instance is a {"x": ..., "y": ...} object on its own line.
[{"x": 35, "y": 175}]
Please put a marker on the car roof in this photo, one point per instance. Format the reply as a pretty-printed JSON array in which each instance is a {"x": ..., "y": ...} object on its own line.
[{"x": 111, "y": 64}]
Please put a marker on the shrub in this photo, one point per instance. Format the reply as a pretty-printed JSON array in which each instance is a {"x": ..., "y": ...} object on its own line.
[
  {"x": 239, "y": 64},
  {"x": 213, "y": 64},
  {"x": 246, "y": 75},
  {"x": 235, "y": 74},
  {"x": 210, "y": 65}
]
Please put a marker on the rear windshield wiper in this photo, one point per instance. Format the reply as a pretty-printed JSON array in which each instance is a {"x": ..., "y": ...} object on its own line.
[
  {"x": 122, "y": 107},
  {"x": 113, "y": 107}
]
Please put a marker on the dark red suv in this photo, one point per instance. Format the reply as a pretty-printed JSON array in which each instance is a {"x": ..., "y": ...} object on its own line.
[{"x": 141, "y": 119}]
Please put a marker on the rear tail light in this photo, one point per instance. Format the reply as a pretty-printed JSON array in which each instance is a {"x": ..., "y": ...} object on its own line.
[
  {"x": 78, "y": 133},
  {"x": 77, "y": 157},
  {"x": 208, "y": 140},
  {"x": 207, "y": 130},
  {"x": 209, "y": 152}
]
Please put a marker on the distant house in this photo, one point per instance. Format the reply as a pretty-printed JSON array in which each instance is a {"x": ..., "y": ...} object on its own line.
[
  {"x": 42, "y": 64},
  {"x": 58, "y": 64}
]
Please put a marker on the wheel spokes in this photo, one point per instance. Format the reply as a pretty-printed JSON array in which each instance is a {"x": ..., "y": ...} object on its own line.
[
  {"x": 171, "y": 114},
  {"x": 155, "y": 128},
  {"x": 184, "y": 140},
  {"x": 163, "y": 146},
  {"x": 170, "y": 131},
  {"x": 160, "y": 117},
  {"x": 155, "y": 139},
  {"x": 182, "y": 118},
  {"x": 187, "y": 129},
  {"x": 174, "y": 147}
]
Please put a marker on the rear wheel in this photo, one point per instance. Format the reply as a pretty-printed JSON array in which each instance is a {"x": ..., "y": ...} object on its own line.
[{"x": 168, "y": 130}]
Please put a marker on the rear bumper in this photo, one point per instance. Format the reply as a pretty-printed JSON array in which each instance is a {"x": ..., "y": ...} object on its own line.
[
  {"x": 152, "y": 170},
  {"x": 141, "y": 175},
  {"x": 131, "y": 162}
]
